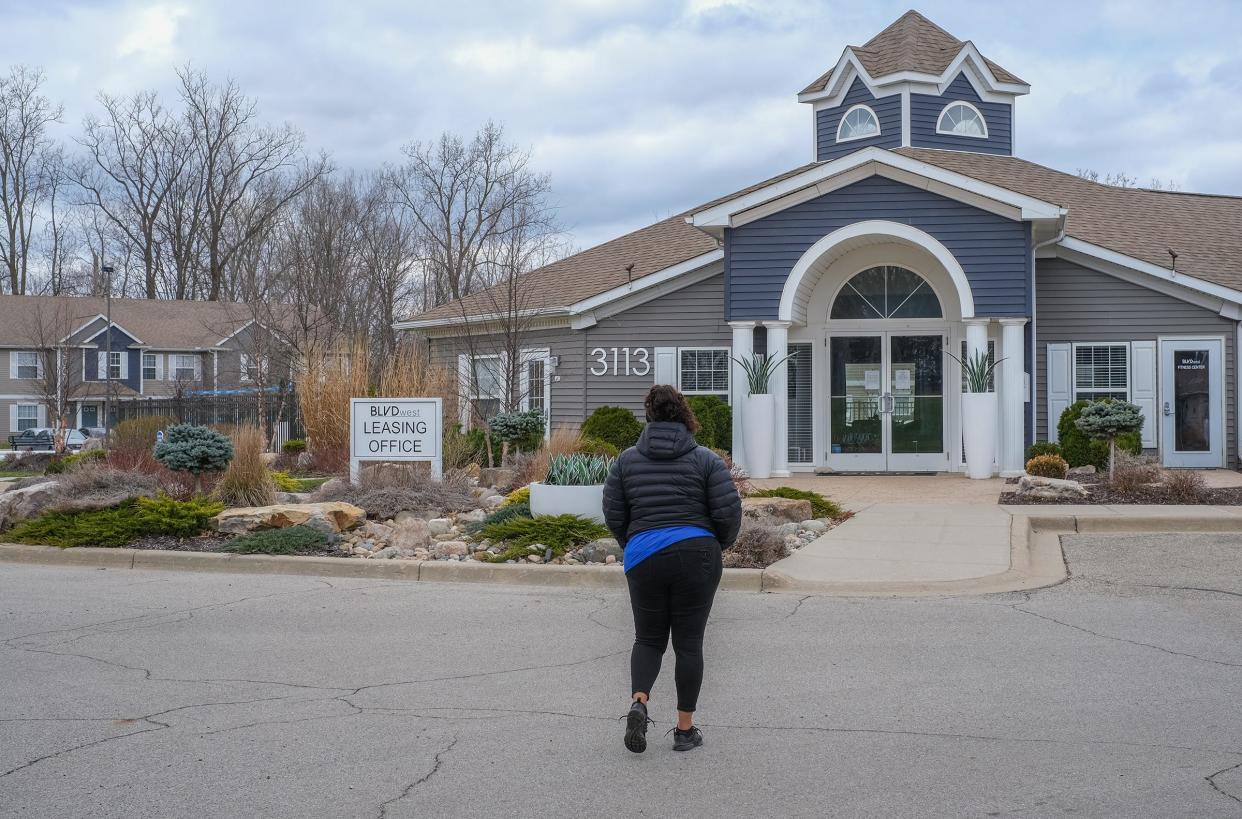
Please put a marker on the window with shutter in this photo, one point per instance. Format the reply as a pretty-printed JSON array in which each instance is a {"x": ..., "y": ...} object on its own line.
[{"x": 1101, "y": 371}]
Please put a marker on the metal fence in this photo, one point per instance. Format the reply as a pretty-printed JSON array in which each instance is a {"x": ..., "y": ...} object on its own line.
[{"x": 277, "y": 408}]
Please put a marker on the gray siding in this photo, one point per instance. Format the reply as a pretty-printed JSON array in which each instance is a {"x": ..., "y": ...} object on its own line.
[
  {"x": 925, "y": 112},
  {"x": 992, "y": 250},
  {"x": 887, "y": 111},
  {"x": 690, "y": 317},
  {"x": 1074, "y": 303}
]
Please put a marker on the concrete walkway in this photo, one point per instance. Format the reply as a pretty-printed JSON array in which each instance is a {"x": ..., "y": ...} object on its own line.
[{"x": 892, "y": 542}]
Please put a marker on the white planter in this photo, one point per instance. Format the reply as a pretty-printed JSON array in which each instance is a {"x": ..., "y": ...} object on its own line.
[
  {"x": 757, "y": 427},
  {"x": 584, "y": 501},
  {"x": 979, "y": 433}
]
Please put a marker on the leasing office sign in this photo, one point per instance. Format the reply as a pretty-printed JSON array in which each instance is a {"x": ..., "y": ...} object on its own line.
[{"x": 396, "y": 429}]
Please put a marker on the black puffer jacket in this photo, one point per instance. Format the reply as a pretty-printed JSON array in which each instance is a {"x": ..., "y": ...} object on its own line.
[{"x": 669, "y": 480}]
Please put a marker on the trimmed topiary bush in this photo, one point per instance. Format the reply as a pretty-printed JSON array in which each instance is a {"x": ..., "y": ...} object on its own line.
[
  {"x": 1107, "y": 420},
  {"x": 119, "y": 525},
  {"x": 1079, "y": 449},
  {"x": 194, "y": 449},
  {"x": 715, "y": 421},
  {"x": 293, "y": 446},
  {"x": 614, "y": 425},
  {"x": 517, "y": 431},
  {"x": 821, "y": 507},
  {"x": 1042, "y": 448},
  {"x": 291, "y": 540},
  {"x": 559, "y": 533},
  {"x": 1047, "y": 466}
]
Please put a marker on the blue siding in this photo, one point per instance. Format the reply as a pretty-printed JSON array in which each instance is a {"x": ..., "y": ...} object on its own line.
[
  {"x": 925, "y": 111},
  {"x": 887, "y": 111},
  {"x": 120, "y": 342},
  {"x": 992, "y": 250}
]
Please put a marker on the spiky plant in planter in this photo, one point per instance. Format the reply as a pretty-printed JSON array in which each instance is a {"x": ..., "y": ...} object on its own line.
[
  {"x": 574, "y": 486},
  {"x": 578, "y": 469}
]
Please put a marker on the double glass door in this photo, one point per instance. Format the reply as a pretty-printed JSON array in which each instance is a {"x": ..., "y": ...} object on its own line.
[{"x": 886, "y": 402}]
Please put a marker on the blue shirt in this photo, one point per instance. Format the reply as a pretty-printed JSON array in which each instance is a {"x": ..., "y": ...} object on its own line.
[{"x": 644, "y": 544}]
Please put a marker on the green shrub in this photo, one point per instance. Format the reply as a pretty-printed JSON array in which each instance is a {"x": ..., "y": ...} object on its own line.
[
  {"x": 293, "y": 446},
  {"x": 594, "y": 446},
  {"x": 69, "y": 462},
  {"x": 821, "y": 507},
  {"x": 614, "y": 425},
  {"x": 476, "y": 446},
  {"x": 1107, "y": 420},
  {"x": 291, "y": 540},
  {"x": 715, "y": 421},
  {"x": 508, "y": 512},
  {"x": 1047, "y": 466},
  {"x": 577, "y": 469},
  {"x": 285, "y": 482},
  {"x": 559, "y": 533},
  {"x": 1042, "y": 448},
  {"x": 523, "y": 431},
  {"x": 119, "y": 525},
  {"x": 194, "y": 449},
  {"x": 519, "y": 495},
  {"x": 1079, "y": 449}
]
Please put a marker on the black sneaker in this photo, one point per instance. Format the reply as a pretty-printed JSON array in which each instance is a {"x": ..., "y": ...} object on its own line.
[
  {"x": 636, "y": 722},
  {"x": 686, "y": 740}
]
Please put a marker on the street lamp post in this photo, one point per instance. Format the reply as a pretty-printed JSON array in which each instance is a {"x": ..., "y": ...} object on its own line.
[{"x": 107, "y": 271}]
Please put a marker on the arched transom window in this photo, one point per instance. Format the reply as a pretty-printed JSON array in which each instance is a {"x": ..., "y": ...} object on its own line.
[
  {"x": 858, "y": 122},
  {"x": 962, "y": 119},
  {"x": 886, "y": 292}
]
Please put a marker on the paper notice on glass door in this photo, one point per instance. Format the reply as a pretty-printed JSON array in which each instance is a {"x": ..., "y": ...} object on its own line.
[
  {"x": 871, "y": 380},
  {"x": 901, "y": 379}
]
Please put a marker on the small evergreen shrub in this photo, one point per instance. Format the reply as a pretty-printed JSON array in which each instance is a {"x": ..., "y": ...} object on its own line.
[
  {"x": 1106, "y": 420},
  {"x": 614, "y": 425},
  {"x": 509, "y": 512},
  {"x": 519, "y": 495},
  {"x": 194, "y": 449},
  {"x": 1047, "y": 466},
  {"x": 284, "y": 482},
  {"x": 293, "y": 446},
  {"x": 291, "y": 540},
  {"x": 1079, "y": 449},
  {"x": 594, "y": 446},
  {"x": 522, "y": 431},
  {"x": 119, "y": 525},
  {"x": 560, "y": 533},
  {"x": 715, "y": 421},
  {"x": 476, "y": 446},
  {"x": 77, "y": 459},
  {"x": 821, "y": 507},
  {"x": 1042, "y": 448}
]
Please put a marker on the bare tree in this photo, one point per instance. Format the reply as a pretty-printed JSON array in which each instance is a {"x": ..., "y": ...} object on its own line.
[
  {"x": 135, "y": 155},
  {"x": 249, "y": 171},
  {"x": 59, "y": 381},
  {"x": 1121, "y": 179},
  {"x": 461, "y": 193},
  {"x": 27, "y": 155}
]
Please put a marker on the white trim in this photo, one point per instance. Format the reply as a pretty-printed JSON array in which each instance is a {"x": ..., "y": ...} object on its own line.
[
  {"x": 530, "y": 355},
  {"x": 1220, "y": 382},
  {"x": 1120, "y": 259},
  {"x": 641, "y": 296},
  {"x": 478, "y": 318},
  {"x": 84, "y": 325},
  {"x": 647, "y": 281},
  {"x": 906, "y": 138},
  {"x": 874, "y": 227},
  {"x": 104, "y": 329},
  {"x": 978, "y": 113},
  {"x": 1075, "y": 345},
  {"x": 852, "y": 109}
]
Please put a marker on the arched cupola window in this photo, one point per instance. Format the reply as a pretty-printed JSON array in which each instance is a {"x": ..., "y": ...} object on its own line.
[
  {"x": 885, "y": 292},
  {"x": 859, "y": 122},
  {"x": 962, "y": 119}
]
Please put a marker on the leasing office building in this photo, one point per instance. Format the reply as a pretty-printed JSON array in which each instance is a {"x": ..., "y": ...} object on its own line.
[{"x": 914, "y": 233}]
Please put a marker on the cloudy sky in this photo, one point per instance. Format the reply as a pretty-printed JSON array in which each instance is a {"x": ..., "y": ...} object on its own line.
[{"x": 642, "y": 108}]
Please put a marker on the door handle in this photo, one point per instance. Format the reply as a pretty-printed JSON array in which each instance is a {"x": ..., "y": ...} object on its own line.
[{"x": 1167, "y": 409}]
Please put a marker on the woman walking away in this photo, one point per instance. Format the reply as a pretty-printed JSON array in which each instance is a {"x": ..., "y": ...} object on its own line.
[{"x": 672, "y": 506}]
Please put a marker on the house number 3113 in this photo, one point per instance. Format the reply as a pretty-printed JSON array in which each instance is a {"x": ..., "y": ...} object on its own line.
[{"x": 621, "y": 361}]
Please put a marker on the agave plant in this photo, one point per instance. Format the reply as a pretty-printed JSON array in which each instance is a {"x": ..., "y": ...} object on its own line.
[
  {"x": 977, "y": 370},
  {"x": 759, "y": 370},
  {"x": 578, "y": 469}
]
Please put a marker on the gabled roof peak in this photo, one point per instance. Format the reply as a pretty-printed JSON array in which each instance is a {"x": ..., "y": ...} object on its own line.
[{"x": 915, "y": 44}]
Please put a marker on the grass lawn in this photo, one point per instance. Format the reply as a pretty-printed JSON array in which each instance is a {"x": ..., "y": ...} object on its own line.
[
  {"x": 310, "y": 484},
  {"x": 18, "y": 473}
]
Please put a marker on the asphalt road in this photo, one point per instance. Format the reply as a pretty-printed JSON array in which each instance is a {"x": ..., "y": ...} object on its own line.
[{"x": 161, "y": 694}]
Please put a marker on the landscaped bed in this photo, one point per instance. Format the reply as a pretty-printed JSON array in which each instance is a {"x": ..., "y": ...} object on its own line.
[{"x": 1101, "y": 492}]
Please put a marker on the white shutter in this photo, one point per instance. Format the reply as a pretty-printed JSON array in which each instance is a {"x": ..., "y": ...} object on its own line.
[
  {"x": 243, "y": 367},
  {"x": 42, "y": 416},
  {"x": 1143, "y": 388},
  {"x": 666, "y": 365},
  {"x": 1060, "y": 391},
  {"x": 124, "y": 364},
  {"x": 13, "y": 364},
  {"x": 198, "y": 368},
  {"x": 12, "y": 418},
  {"x": 39, "y": 356},
  {"x": 159, "y": 366},
  {"x": 101, "y": 369}
]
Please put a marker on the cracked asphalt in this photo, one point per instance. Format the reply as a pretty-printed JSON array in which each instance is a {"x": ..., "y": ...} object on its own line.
[{"x": 165, "y": 694}]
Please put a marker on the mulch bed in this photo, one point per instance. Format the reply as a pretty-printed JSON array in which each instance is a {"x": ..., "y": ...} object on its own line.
[{"x": 1100, "y": 493}]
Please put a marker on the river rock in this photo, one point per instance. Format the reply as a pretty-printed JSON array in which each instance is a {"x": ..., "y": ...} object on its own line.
[
  {"x": 776, "y": 511},
  {"x": 440, "y": 526},
  {"x": 450, "y": 548},
  {"x": 597, "y": 551},
  {"x": 329, "y": 517},
  {"x": 410, "y": 533},
  {"x": 1034, "y": 486},
  {"x": 473, "y": 516}
]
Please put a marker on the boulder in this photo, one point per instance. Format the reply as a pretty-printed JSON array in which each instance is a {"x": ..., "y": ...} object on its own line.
[
  {"x": 377, "y": 531},
  {"x": 332, "y": 486},
  {"x": 1089, "y": 469},
  {"x": 410, "y": 533},
  {"x": 1033, "y": 486},
  {"x": 329, "y": 517},
  {"x": 450, "y": 548},
  {"x": 597, "y": 551},
  {"x": 497, "y": 477},
  {"x": 17, "y": 505},
  {"x": 493, "y": 501},
  {"x": 776, "y": 511},
  {"x": 817, "y": 526},
  {"x": 440, "y": 526},
  {"x": 473, "y": 516}
]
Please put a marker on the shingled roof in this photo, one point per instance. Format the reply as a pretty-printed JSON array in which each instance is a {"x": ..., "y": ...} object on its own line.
[
  {"x": 1204, "y": 230},
  {"x": 910, "y": 43}
]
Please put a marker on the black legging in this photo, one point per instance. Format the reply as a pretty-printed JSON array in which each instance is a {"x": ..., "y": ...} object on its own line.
[{"x": 672, "y": 591}]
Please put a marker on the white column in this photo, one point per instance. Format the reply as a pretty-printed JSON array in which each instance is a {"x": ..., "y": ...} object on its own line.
[
  {"x": 976, "y": 337},
  {"x": 1013, "y": 396},
  {"x": 743, "y": 349},
  {"x": 778, "y": 349}
]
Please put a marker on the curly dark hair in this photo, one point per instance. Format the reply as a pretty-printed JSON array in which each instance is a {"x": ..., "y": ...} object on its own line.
[{"x": 665, "y": 403}]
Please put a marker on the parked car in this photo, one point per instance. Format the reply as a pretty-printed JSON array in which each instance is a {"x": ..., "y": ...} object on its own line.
[
  {"x": 43, "y": 439},
  {"x": 93, "y": 432}
]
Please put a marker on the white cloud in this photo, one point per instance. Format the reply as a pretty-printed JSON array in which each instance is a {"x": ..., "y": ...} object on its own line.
[{"x": 152, "y": 32}]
